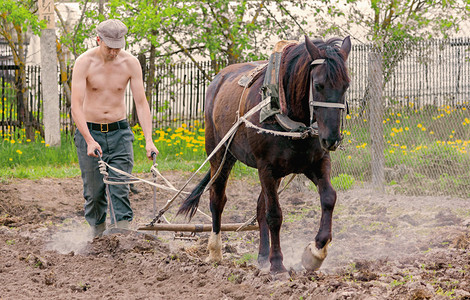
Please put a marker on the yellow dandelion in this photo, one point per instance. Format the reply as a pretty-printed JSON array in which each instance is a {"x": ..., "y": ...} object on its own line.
[
  {"x": 406, "y": 128},
  {"x": 12, "y": 141},
  {"x": 10, "y": 159},
  {"x": 392, "y": 134},
  {"x": 349, "y": 157},
  {"x": 47, "y": 145},
  {"x": 391, "y": 151},
  {"x": 397, "y": 121},
  {"x": 419, "y": 125},
  {"x": 28, "y": 140},
  {"x": 195, "y": 150},
  {"x": 348, "y": 117},
  {"x": 403, "y": 147}
]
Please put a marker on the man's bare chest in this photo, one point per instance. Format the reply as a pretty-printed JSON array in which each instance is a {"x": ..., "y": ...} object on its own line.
[{"x": 107, "y": 78}]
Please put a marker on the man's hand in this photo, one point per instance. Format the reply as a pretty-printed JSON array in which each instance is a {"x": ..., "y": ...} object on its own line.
[
  {"x": 91, "y": 147},
  {"x": 150, "y": 147}
]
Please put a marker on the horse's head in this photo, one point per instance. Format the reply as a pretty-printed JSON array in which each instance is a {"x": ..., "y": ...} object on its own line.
[{"x": 329, "y": 81}]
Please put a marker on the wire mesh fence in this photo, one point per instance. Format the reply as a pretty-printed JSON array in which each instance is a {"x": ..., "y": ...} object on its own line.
[{"x": 409, "y": 127}]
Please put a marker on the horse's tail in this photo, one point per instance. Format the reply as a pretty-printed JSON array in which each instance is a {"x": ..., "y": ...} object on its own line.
[{"x": 189, "y": 206}]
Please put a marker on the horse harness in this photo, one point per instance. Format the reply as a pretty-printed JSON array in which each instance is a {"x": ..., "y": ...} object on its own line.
[{"x": 271, "y": 92}]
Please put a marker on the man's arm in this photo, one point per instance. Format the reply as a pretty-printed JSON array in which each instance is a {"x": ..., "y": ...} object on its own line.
[
  {"x": 142, "y": 106},
  {"x": 78, "y": 96}
]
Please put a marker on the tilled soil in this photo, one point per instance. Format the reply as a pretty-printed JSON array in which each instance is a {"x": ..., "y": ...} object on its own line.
[{"x": 384, "y": 247}]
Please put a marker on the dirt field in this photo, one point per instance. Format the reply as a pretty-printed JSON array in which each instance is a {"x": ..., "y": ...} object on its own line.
[{"x": 384, "y": 247}]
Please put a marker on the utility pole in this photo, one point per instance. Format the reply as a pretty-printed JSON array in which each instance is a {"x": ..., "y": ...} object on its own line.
[{"x": 49, "y": 79}]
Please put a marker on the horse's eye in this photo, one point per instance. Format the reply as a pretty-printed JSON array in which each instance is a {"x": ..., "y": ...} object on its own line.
[{"x": 319, "y": 87}]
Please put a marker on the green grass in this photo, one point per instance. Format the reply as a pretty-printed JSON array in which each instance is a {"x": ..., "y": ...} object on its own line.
[
  {"x": 180, "y": 149},
  {"x": 426, "y": 151}
]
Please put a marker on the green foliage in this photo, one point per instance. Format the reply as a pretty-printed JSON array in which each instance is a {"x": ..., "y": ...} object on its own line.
[
  {"x": 343, "y": 182},
  {"x": 246, "y": 258},
  {"x": 19, "y": 13}
]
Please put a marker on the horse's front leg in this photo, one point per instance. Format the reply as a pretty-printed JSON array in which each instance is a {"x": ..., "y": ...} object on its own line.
[
  {"x": 263, "y": 252},
  {"x": 273, "y": 219},
  {"x": 316, "y": 252}
]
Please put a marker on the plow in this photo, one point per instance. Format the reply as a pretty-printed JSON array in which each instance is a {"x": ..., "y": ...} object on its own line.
[{"x": 184, "y": 231}]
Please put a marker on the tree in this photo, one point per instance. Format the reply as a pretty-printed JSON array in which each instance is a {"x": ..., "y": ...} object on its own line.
[
  {"x": 169, "y": 30},
  {"x": 17, "y": 19},
  {"x": 393, "y": 27}
]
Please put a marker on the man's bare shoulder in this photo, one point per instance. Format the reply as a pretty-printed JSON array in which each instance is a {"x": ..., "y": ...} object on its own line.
[
  {"x": 129, "y": 58},
  {"x": 131, "y": 62},
  {"x": 86, "y": 58}
]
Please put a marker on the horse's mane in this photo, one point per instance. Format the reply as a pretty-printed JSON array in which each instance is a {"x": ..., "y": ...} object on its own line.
[{"x": 295, "y": 67}]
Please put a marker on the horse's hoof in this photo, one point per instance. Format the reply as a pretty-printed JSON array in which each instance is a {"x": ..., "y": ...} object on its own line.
[
  {"x": 263, "y": 262},
  {"x": 213, "y": 258},
  {"x": 282, "y": 276},
  {"x": 312, "y": 258},
  {"x": 279, "y": 269}
]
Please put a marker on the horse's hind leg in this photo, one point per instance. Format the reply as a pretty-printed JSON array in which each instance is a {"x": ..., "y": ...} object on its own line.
[
  {"x": 316, "y": 252},
  {"x": 217, "y": 204}
]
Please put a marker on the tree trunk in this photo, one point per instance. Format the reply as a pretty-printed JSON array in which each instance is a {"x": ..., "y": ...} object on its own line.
[
  {"x": 150, "y": 80},
  {"x": 24, "y": 114}
]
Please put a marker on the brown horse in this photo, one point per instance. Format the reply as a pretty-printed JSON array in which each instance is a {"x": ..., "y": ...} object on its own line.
[{"x": 276, "y": 156}]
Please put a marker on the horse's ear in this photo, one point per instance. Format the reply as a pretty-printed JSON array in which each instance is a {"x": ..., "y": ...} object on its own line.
[
  {"x": 311, "y": 48},
  {"x": 346, "y": 46}
]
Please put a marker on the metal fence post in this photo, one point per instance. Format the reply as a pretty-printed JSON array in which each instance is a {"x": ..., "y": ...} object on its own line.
[{"x": 376, "y": 113}]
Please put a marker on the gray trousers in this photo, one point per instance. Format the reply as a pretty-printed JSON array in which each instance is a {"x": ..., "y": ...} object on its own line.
[{"x": 117, "y": 152}]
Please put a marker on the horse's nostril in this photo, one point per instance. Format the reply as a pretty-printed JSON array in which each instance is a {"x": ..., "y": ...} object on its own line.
[{"x": 329, "y": 144}]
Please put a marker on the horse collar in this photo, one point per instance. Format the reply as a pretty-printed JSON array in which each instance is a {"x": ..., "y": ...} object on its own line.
[{"x": 272, "y": 90}]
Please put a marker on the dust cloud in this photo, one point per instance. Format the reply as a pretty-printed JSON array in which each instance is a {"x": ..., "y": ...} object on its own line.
[{"x": 71, "y": 238}]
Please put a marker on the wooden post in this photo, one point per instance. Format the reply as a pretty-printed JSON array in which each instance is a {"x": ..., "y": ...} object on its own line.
[
  {"x": 376, "y": 115},
  {"x": 49, "y": 79}
]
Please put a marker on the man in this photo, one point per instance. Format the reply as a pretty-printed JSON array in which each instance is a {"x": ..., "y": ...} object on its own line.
[{"x": 99, "y": 80}]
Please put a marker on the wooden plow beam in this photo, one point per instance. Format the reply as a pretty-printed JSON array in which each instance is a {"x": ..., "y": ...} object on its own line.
[{"x": 198, "y": 227}]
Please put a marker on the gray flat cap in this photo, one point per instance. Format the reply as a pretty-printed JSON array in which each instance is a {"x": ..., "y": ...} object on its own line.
[{"x": 112, "y": 33}]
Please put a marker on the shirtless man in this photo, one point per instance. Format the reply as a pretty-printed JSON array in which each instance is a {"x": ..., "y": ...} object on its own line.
[{"x": 99, "y": 80}]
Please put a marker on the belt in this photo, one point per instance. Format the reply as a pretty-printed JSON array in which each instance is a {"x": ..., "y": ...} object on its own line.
[{"x": 105, "y": 127}]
